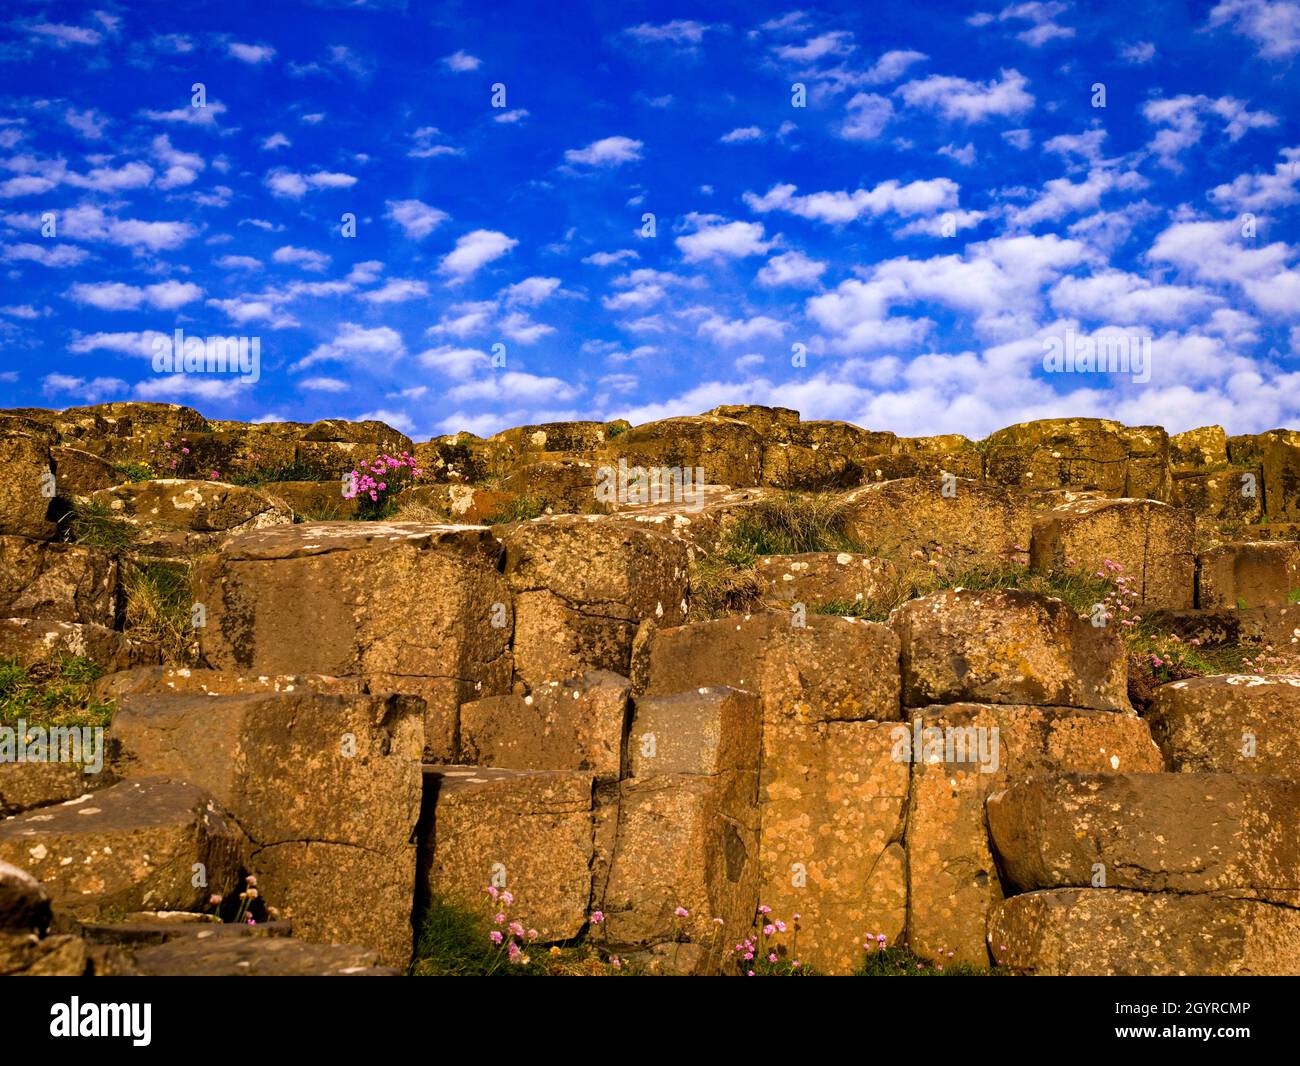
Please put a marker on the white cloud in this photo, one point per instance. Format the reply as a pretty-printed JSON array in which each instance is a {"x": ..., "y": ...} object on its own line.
[
  {"x": 305, "y": 258},
  {"x": 716, "y": 238},
  {"x": 475, "y": 250},
  {"x": 676, "y": 32},
  {"x": 741, "y": 330},
  {"x": 606, "y": 152},
  {"x": 970, "y": 101},
  {"x": 892, "y": 65},
  {"x": 94, "y": 390},
  {"x": 89, "y": 123},
  {"x": 50, "y": 255},
  {"x": 1274, "y": 25},
  {"x": 284, "y": 182},
  {"x": 603, "y": 259},
  {"x": 180, "y": 168},
  {"x": 251, "y": 53},
  {"x": 276, "y": 140},
  {"x": 866, "y": 116},
  {"x": 417, "y": 219},
  {"x": 1138, "y": 53},
  {"x": 459, "y": 363},
  {"x": 398, "y": 290},
  {"x": 741, "y": 135},
  {"x": 531, "y": 291},
  {"x": 837, "y": 208},
  {"x": 358, "y": 344},
  {"x": 791, "y": 268},
  {"x": 461, "y": 62}
]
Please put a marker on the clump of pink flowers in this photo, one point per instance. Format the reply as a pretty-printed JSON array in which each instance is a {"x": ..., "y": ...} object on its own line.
[
  {"x": 766, "y": 952},
  {"x": 509, "y": 936},
  {"x": 377, "y": 479}
]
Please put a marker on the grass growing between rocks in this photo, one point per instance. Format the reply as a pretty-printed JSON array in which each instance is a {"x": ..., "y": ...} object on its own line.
[
  {"x": 56, "y": 693},
  {"x": 264, "y": 475},
  {"x": 899, "y": 962},
  {"x": 158, "y": 608},
  {"x": 520, "y": 509},
  {"x": 456, "y": 941},
  {"x": 96, "y": 526}
]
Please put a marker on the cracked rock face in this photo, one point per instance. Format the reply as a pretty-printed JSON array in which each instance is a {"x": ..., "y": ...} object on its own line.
[
  {"x": 1087, "y": 932},
  {"x": 952, "y": 876},
  {"x": 130, "y": 847},
  {"x": 1230, "y": 723},
  {"x": 325, "y": 785},
  {"x": 1008, "y": 646},
  {"x": 412, "y": 608},
  {"x": 1132, "y": 831}
]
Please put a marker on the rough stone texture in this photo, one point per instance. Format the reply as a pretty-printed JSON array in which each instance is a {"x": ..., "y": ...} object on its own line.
[
  {"x": 1281, "y": 463},
  {"x": 1198, "y": 450},
  {"x": 27, "y": 488},
  {"x": 1153, "y": 542},
  {"x": 79, "y": 473},
  {"x": 581, "y": 587},
  {"x": 129, "y": 847},
  {"x": 326, "y": 786},
  {"x": 832, "y": 804},
  {"x": 687, "y": 824},
  {"x": 1251, "y": 574},
  {"x": 460, "y": 503},
  {"x": 819, "y": 578},
  {"x": 34, "y": 640},
  {"x": 947, "y": 453},
  {"x": 1087, "y": 453},
  {"x": 410, "y": 607},
  {"x": 312, "y": 501},
  {"x": 577, "y": 724},
  {"x": 951, "y": 871},
  {"x": 1007, "y": 646},
  {"x": 829, "y": 669},
  {"x": 24, "y": 903},
  {"x": 26, "y": 955},
  {"x": 256, "y": 957},
  {"x": 729, "y": 451},
  {"x": 56, "y": 582},
  {"x": 976, "y": 523},
  {"x": 1147, "y": 474},
  {"x": 1230, "y": 723},
  {"x": 1221, "y": 496},
  {"x": 1151, "y": 833},
  {"x": 529, "y": 832},
  {"x": 28, "y": 785},
  {"x": 192, "y": 506},
  {"x": 1110, "y": 932},
  {"x": 560, "y": 486},
  {"x": 183, "y": 680}
]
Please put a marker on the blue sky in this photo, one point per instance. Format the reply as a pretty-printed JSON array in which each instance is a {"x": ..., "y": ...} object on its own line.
[{"x": 947, "y": 202}]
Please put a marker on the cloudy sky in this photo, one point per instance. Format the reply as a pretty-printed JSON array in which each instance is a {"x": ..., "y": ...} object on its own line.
[{"x": 631, "y": 201}]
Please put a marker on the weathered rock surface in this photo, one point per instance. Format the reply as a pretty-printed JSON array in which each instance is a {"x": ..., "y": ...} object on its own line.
[
  {"x": 56, "y": 582},
  {"x": 577, "y": 724},
  {"x": 256, "y": 957},
  {"x": 1132, "y": 831},
  {"x": 833, "y": 800},
  {"x": 961, "y": 754},
  {"x": 1153, "y": 543},
  {"x": 411, "y": 608},
  {"x": 178, "y": 516},
  {"x": 687, "y": 824},
  {"x": 327, "y": 788},
  {"x": 1007, "y": 646},
  {"x": 1230, "y": 723},
  {"x": 1253, "y": 574},
  {"x": 1101, "y": 932},
  {"x": 527, "y": 832},
  {"x": 28, "y": 486},
  {"x": 952, "y": 522},
  {"x": 829, "y": 669},
  {"x": 130, "y": 847},
  {"x": 36, "y": 640},
  {"x": 581, "y": 586},
  {"x": 817, "y": 579}
]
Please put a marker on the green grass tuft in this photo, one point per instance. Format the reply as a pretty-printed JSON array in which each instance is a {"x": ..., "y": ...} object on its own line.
[
  {"x": 56, "y": 693},
  {"x": 158, "y": 607},
  {"x": 96, "y": 526},
  {"x": 899, "y": 962},
  {"x": 520, "y": 509}
]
